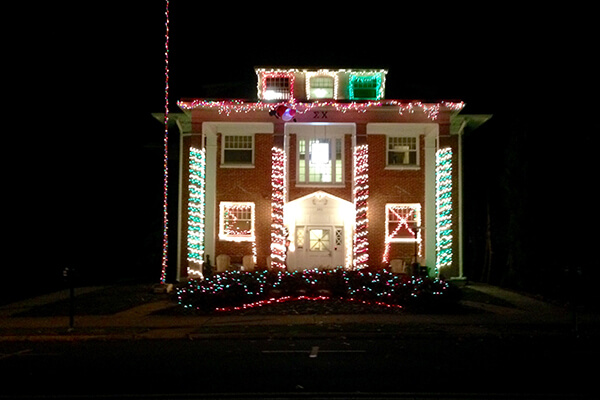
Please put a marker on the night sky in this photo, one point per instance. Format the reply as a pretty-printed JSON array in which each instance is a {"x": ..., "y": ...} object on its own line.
[{"x": 92, "y": 197}]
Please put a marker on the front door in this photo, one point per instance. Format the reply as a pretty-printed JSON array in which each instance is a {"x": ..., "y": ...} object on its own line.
[{"x": 320, "y": 246}]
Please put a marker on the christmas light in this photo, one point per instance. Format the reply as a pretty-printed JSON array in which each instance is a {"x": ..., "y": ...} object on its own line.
[
  {"x": 234, "y": 228},
  {"x": 319, "y": 92},
  {"x": 196, "y": 211},
  {"x": 165, "y": 245},
  {"x": 366, "y": 85},
  {"x": 237, "y": 290},
  {"x": 284, "y": 91},
  {"x": 443, "y": 208},
  {"x": 278, "y": 195},
  {"x": 431, "y": 110},
  {"x": 361, "y": 195},
  {"x": 407, "y": 216}
]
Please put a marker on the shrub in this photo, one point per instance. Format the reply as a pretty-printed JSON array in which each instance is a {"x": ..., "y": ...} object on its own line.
[{"x": 234, "y": 289}]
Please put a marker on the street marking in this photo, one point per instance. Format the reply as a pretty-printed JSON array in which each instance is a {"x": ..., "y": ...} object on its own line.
[
  {"x": 312, "y": 353},
  {"x": 15, "y": 354}
]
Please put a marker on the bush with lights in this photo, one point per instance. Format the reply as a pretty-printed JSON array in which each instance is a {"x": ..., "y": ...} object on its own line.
[{"x": 235, "y": 290}]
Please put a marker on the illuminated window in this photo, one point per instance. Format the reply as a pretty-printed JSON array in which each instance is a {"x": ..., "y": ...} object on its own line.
[
  {"x": 322, "y": 87},
  {"x": 403, "y": 151},
  {"x": 402, "y": 223},
  {"x": 236, "y": 221},
  {"x": 319, "y": 240},
  {"x": 320, "y": 161},
  {"x": 300, "y": 237},
  {"x": 277, "y": 88},
  {"x": 365, "y": 87},
  {"x": 238, "y": 150}
]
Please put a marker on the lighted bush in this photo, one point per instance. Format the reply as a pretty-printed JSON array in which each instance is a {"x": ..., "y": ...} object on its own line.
[{"x": 234, "y": 289}]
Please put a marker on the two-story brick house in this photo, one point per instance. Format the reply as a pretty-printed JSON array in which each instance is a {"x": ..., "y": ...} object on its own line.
[{"x": 321, "y": 171}]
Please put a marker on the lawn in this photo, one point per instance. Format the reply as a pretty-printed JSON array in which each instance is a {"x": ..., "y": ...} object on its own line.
[{"x": 107, "y": 301}]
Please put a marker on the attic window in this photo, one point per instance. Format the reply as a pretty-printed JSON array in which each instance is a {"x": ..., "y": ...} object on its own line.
[
  {"x": 277, "y": 86},
  {"x": 322, "y": 87},
  {"x": 365, "y": 87}
]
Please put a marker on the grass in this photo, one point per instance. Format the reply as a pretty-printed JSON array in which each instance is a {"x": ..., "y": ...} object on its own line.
[
  {"x": 107, "y": 301},
  {"x": 115, "y": 299}
]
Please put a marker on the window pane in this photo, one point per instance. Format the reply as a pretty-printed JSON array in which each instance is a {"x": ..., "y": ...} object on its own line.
[
  {"x": 237, "y": 149},
  {"x": 319, "y": 239},
  {"x": 302, "y": 160},
  {"x": 321, "y": 87},
  {"x": 238, "y": 156},
  {"x": 320, "y": 161},
  {"x": 277, "y": 88},
  {"x": 402, "y": 151}
]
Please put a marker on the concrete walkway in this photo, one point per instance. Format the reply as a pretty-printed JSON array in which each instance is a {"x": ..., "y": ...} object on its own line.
[{"x": 529, "y": 316}]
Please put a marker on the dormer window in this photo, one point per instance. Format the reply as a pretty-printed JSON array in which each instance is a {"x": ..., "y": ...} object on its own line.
[
  {"x": 277, "y": 86},
  {"x": 321, "y": 84},
  {"x": 365, "y": 87}
]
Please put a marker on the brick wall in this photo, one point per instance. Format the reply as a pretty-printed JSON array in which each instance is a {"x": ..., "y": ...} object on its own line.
[
  {"x": 390, "y": 186},
  {"x": 252, "y": 185}
]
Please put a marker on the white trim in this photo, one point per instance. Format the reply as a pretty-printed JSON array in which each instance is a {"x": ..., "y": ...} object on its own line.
[{"x": 233, "y": 165}]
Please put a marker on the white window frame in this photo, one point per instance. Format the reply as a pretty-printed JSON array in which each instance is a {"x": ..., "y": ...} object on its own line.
[
  {"x": 223, "y": 235},
  {"x": 310, "y": 95},
  {"x": 403, "y": 166},
  {"x": 418, "y": 220},
  {"x": 223, "y": 149},
  {"x": 332, "y": 156}
]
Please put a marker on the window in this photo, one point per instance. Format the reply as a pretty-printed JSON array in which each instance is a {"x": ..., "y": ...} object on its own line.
[
  {"x": 402, "y": 223},
  {"x": 238, "y": 150},
  {"x": 403, "y": 151},
  {"x": 236, "y": 221},
  {"x": 277, "y": 88},
  {"x": 320, "y": 161},
  {"x": 319, "y": 239},
  {"x": 322, "y": 87},
  {"x": 366, "y": 87}
]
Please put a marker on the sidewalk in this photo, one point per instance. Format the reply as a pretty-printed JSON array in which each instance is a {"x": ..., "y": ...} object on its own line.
[{"x": 528, "y": 316}]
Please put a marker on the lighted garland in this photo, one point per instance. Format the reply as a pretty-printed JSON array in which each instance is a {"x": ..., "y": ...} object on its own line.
[
  {"x": 165, "y": 244},
  {"x": 443, "y": 208},
  {"x": 196, "y": 211},
  {"x": 236, "y": 290},
  {"x": 431, "y": 110},
  {"x": 361, "y": 196},
  {"x": 278, "y": 194}
]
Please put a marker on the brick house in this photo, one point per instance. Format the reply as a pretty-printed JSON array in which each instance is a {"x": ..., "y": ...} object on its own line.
[{"x": 321, "y": 171}]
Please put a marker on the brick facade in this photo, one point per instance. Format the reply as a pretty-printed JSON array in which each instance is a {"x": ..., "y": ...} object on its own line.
[{"x": 387, "y": 185}]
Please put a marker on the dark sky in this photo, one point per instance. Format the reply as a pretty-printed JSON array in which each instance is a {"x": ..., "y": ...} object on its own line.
[{"x": 98, "y": 73}]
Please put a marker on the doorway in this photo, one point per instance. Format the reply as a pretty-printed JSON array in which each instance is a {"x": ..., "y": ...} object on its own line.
[{"x": 320, "y": 227}]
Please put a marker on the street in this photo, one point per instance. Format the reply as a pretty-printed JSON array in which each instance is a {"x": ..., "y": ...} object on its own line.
[{"x": 547, "y": 365}]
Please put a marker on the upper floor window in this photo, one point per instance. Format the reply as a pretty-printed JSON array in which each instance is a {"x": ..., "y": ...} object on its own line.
[
  {"x": 403, "y": 151},
  {"x": 276, "y": 86},
  {"x": 365, "y": 87},
  {"x": 322, "y": 87},
  {"x": 320, "y": 161},
  {"x": 238, "y": 150}
]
